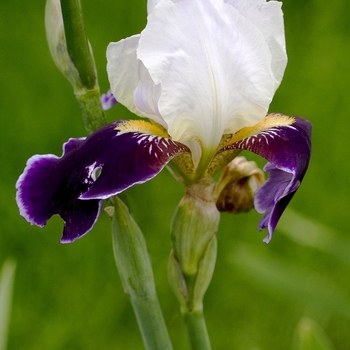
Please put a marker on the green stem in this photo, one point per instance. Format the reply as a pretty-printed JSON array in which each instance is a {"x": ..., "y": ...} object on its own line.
[
  {"x": 135, "y": 270},
  {"x": 91, "y": 109},
  {"x": 77, "y": 42},
  {"x": 193, "y": 313},
  {"x": 88, "y": 92},
  {"x": 197, "y": 330},
  {"x": 150, "y": 320},
  {"x": 7, "y": 274}
]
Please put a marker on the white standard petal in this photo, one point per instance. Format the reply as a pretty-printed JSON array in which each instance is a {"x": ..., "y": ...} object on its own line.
[
  {"x": 122, "y": 70},
  {"x": 213, "y": 67},
  {"x": 268, "y": 18},
  {"x": 151, "y": 4},
  {"x": 130, "y": 81}
]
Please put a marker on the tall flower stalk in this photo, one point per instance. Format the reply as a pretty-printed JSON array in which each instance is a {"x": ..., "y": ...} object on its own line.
[
  {"x": 203, "y": 72},
  {"x": 135, "y": 270}
]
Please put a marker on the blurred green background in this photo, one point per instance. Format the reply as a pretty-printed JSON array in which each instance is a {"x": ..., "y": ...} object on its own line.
[{"x": 70, "y": 296}]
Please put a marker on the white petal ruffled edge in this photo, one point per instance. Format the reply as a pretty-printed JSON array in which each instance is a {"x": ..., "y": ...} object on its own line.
[
  {"x": 122, "y": 69},
  {"x": 130, "y": 81},
  {"x": 268, "y": 18}
]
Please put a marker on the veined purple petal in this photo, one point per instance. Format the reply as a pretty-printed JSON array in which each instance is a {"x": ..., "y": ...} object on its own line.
[
  {"x": 104, "y": 164},
  {"x": 287, "y": 149}
]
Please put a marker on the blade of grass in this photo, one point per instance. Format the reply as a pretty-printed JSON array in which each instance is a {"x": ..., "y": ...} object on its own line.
[
  {"x": 6, "y": 287},
  {"x": 310, "y": 233},
  {"x": 290, "y": 280}
]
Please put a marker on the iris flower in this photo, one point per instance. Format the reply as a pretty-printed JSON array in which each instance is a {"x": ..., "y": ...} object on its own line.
[{"x": 203, "y": 73}]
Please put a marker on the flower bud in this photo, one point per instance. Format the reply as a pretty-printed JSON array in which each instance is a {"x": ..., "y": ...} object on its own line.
[
  {"x": 190, "y": 290},
  {"x": 193, "y": 233},
  {"x": 177, "y": 281},
  {"x": 56, "y": 39},
  {"x": 75, "y": 61},
  {"x": 194, "y": 223},
  {"x": 238, "y": 182},
  {"x": 205, "y": 272}
]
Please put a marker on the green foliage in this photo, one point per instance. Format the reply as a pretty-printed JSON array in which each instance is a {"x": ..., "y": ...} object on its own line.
[
  {"x": 310, "y": 336},
  {"x": 70, "y": 296},
  {"x": 7, "y": 274}
]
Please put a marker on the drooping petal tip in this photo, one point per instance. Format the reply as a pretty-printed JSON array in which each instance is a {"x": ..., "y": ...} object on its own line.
[
  {"x": 27, "y": 192},
  {"x": 47, "y": 187},
  {"x": 288, "y": 162},
  {"x": 285, "y": 142}
]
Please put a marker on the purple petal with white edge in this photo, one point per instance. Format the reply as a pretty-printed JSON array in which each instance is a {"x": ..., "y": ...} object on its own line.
[
  {"x": 104, "y": 164},
  {"x": 286, "y": 143},
  {"x": 108, "y": 100},
  {"x": 44, "y": 189}
]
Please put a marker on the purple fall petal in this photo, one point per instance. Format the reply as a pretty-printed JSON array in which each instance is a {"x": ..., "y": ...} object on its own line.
[
  {"x": 273, "y": 197},
  {"x": 73, "y": 186},
  {"x": 44, "y": 189},
  {"x": 129, "y": 158},
  {"x": 287, "y": 149}
]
